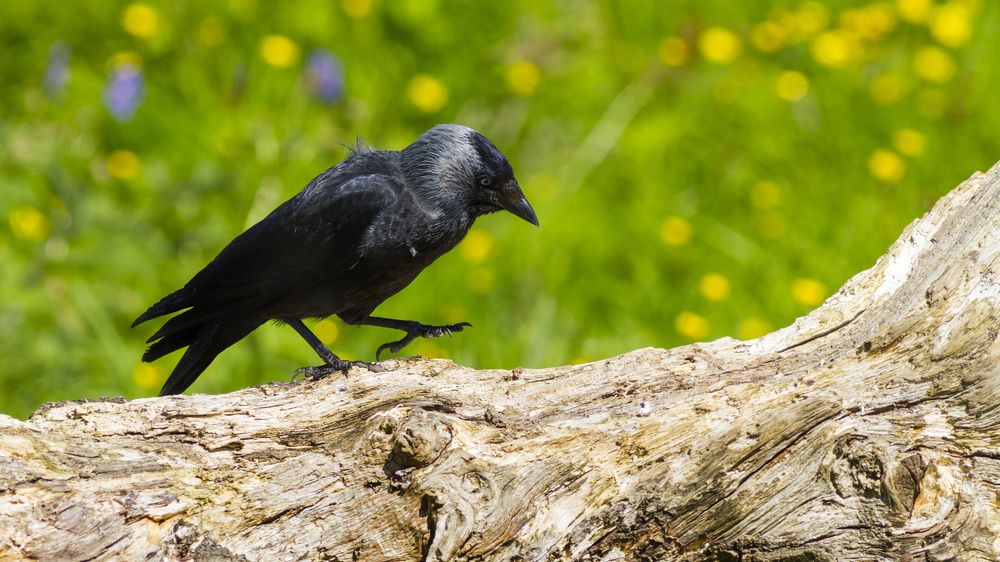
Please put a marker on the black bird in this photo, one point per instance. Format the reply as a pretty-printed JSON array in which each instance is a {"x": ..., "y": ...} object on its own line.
[{"x": 354, "y": 236}]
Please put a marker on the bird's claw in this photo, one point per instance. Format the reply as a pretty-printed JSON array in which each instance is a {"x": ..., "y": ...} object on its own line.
[
  {"x": 420, "y": 331},
  {"x": 341, "y": 365}
]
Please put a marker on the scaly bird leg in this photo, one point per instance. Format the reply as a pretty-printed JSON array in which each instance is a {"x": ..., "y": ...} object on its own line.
[
  {"x": 333, "y": 363},
  {"x": 413, "y": 331}
]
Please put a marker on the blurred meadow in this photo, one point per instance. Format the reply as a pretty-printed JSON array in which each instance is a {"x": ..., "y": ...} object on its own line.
[{"x": 700, "y": 168}]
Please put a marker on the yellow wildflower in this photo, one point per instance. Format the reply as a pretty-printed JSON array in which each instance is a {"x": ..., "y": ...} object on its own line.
[
  {"x": 753, "y": 328},
  {"x": 934, "y": 65},
  {"x": 810, "y": 19},
  {"x": 834, "y": 49},
  {"x": 27, "y": 223},
  {"x": 140, "y": 20},
  {"x": 950, "y": 25},
  {"x": 673, "y": 51},
  {"x": 909, "y": 142},
  {"x": 356, "y": 8},
  {"x": 326, "y": 331},
  {"x": 427, "y": 93},
  {"x": 714, "y": 287},
  {"x": 914, "y": 11},
  {"x": 279, "y": 51},
  {"x": 691, "y": 326},
  {"x": 719, "y": 45},
  {"x": 765, "y": 195},
  {"x": 523, "y": 77},
  {"x": 792, "y": 86},
  {"x": 123, "y": 165},
  {"x": 886, "y": 166},
  {"x": 808, "y": 292},
  {"x": 477, "y": 246},
  {"x": 675, "y": 231},
  {"x": 148, "y": 376}
]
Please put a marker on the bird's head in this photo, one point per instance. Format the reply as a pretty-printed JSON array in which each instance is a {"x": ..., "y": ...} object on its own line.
[{"x": 458, "y": 161}]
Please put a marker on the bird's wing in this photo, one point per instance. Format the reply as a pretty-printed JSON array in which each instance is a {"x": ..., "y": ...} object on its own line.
[{"x": 315, "y": 233}]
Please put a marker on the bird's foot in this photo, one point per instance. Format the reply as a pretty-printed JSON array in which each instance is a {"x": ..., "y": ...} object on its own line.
[
  {"x": 340, "y": 365},
  {"x": 420, "y": 331}
]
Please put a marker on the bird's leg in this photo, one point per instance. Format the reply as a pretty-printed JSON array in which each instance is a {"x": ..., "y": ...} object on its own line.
[
  {"x": 333, "y": 363},
  {"x": 413, "y": 331}
]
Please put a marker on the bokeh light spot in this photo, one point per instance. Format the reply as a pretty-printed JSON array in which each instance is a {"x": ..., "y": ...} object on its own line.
[
  {"x": 123, "y": 165},
  {"x": 675, "y": 231},
  {"x": 477, "y": 246},
  {"x": 909, "y": 142},
  {"x": 279, "y": 51},
  {"x": 886, "y": 166},
  {"x": 523, "y": 77},
  {"x": 714, "y": 287},
  {"x": 27, "y": 223},
  {"x": 753, "y": 328},
  {"x": 673, "y": 51},
  {"x": 719, "y": 45},
  {"x": 140, "y": 20},
  {"x": 808, "y": 292},
  {"x": 792, "y": 86},
  {"x": 427, "y": 93},
  {"x": 692, "y": 326}
]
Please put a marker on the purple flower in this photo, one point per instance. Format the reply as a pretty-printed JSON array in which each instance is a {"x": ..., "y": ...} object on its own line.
[
  {"x": 325, "y": 76},
  {"x": 57, "y": 71},
  {"x": 124, "y": 91}
]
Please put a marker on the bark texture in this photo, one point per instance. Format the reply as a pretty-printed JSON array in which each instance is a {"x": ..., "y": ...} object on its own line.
[{"x": 867, "y": 430}]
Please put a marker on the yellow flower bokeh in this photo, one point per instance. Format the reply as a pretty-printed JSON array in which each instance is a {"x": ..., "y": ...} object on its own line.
[
  {"x": 753, "y": 328},
  {"x": 909, "y": 142},
  {"x": 326, "y": 330},
  {"x": 934, "y": 65},
  {"x": 808, "y": 292},
  {"x": 140, "y": 20},
  {"x": 279, "y": 51},
  {"x": 765, "y": 195},
  {"x": 951, "y": 25},
  {"x": 810, "y": 18},
  {"x": 673, "y": 51},
  {"x": 523, "y": 77},
  {"x": 123, "y": 165},
  {"x": 834, "y": 49},
  {"x": 427, "y": 93},
  {"x": 357, "y": 8},
  {"x": 714, "y": 287},
  {"x": 792, "y": 86},
  {"x": 886, "y": 166},
  {"x": 149, "y": 376},
  {"x": 719, "y": 45},
  {"x": 27, "y": 223},
  {"x": 477, "y": 246},
  {"x": 675, "y": 231},
  {"x": 692, "y": 326},
  {"x": 914, "y": 11}
]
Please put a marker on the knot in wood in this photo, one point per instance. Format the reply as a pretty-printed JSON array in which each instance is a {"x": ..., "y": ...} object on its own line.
[
  {"x": 858, "y": 469},
  {"x": 420, "y": 439}
]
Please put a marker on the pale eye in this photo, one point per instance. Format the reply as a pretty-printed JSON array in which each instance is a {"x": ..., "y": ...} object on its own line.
[{"x": 485, "y": 181}]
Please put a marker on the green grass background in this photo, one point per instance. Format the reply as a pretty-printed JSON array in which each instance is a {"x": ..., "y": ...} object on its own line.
[{"x": 611, "y": 145}]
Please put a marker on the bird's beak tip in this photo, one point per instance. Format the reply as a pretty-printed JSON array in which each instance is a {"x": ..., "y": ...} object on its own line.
[{"x": 517, "y": 204}]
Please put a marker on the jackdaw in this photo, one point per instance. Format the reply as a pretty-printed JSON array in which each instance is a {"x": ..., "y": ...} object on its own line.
[{"x": 354, "y": 236}]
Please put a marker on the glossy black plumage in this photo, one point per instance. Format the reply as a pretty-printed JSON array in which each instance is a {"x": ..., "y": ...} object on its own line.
[{"x": 355, "y": 235}]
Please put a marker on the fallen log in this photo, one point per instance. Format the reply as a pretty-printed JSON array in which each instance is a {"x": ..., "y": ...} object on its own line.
[{"x": 867, "y": 430}]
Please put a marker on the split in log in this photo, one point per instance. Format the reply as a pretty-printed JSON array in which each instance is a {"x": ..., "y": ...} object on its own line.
[{"x": 867, "y": 430}]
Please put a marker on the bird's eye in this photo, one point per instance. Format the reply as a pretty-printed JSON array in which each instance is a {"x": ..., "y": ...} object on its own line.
[{"x": 485, "y": 181}]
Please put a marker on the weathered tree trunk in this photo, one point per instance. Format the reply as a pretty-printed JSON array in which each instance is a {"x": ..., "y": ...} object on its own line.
[{"x": 868, "y": 430}]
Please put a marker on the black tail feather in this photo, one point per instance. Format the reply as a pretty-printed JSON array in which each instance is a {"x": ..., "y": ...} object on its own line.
[
  {"x": 170, "y": 343},
  {"x": 196, "y": 359},
  {"x": 178, "y": 300}
]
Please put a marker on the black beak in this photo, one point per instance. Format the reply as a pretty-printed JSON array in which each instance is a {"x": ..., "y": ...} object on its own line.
[{"x": 512, "y": 199}]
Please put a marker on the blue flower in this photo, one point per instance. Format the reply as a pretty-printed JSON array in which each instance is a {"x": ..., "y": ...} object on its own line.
[
  {"x": 124, "y": 91},
  {"x": 57, "y": 71},
  {"x": 324, "y": 76}
]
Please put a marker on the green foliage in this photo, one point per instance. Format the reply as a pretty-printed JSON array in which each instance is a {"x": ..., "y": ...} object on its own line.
[{"x": 700, "y": 169}]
